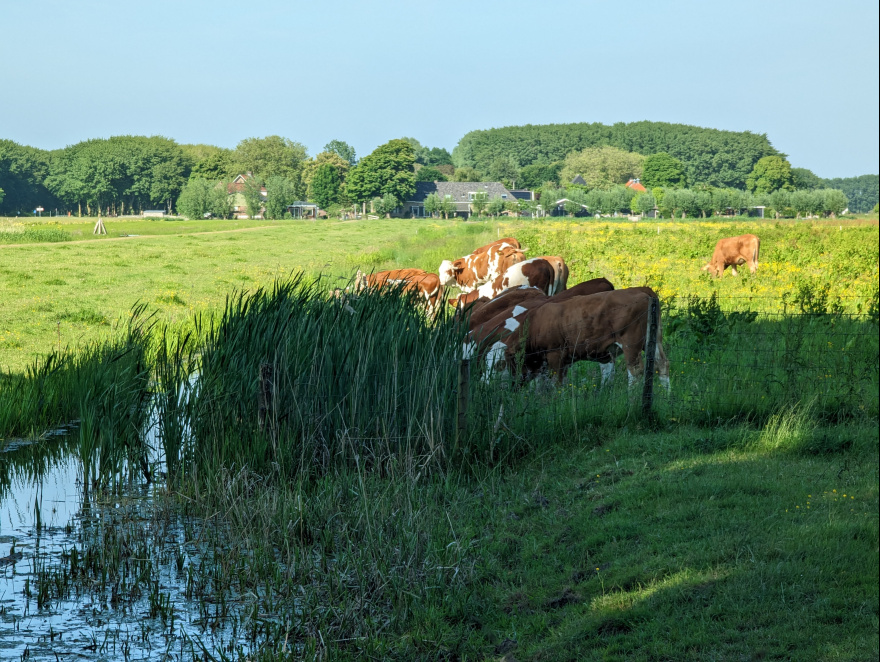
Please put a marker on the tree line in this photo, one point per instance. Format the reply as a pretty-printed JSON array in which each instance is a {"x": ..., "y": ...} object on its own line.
[{"x": 129, "y": 174}]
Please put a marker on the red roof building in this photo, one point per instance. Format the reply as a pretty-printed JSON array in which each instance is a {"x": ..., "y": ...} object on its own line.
[{"x": 636, "y": 185}]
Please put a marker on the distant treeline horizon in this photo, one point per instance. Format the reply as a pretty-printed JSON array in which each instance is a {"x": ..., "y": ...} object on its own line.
[{"x": 131, "y": 173}]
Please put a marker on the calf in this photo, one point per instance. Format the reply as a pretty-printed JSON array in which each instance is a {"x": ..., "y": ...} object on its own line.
[
  {"x": 597, "y": 328},
  {"x": 484, "y": 264},
  {"x": 537, "y": 272},
  {"x": 733, "y": 252},
  {"x": 423, "y": 285}
]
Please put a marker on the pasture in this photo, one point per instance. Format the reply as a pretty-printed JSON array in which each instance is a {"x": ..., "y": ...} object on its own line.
[{"x": 329, "y": 505}]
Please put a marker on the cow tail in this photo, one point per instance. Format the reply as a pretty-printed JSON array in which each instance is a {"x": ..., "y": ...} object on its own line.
[{"x": 757, "y": 250}]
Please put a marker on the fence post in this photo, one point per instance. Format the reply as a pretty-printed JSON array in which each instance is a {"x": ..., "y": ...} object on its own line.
[
  {"x": 650, "y": 350},
  {"x": 464, "y": 378}
]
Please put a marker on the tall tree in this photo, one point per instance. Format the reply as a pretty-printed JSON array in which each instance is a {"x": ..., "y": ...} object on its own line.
[
  {"x": 326, "y": 185},
  {"x": 602, "y": 167},
  {"x": 466, "y": 174},
  {"x": 215, "y": 165},
  {"x": 801, "y": 178},
  {"x": 769, "y": 174},
  {"x": 280, "y": 192},
  {"x": 343, "y": 150},
  {"x": 253, "y": 196},
  {"x": 430, "y": 174},
  {"x": 23, "y": 171},
  {"x": 534, "y": 176},
  {"x": 387, "y": 170},
  {"x": 661, "y": 169},
  {"x": 201, "y": 197},
  {"x": 862, "y": 192},
  {"x": 270, "y": 156}
]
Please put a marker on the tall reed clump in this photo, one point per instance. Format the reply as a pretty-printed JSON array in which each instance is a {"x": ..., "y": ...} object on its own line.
[
  {"x": 293, "y": 381},
  {"x": 101, "y": 387}
]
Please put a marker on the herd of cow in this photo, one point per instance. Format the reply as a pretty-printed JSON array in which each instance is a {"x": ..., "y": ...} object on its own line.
[{"x": 521, "y": 314}]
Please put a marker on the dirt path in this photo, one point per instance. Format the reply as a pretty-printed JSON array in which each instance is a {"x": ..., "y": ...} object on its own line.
[{"x": 140, "y": 236}]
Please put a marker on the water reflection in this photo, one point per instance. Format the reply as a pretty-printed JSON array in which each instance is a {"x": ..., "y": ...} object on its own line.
[{"x": 101, "y": 578}]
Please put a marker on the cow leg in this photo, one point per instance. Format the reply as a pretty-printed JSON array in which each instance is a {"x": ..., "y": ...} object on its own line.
[
  {"x": 607, "y": 373},
  {"x": 634, "y": 366},
  {"x": 662, "y": 365},
  {"x": 556, "y": 364},
  {"x": 494, "y": 359},
  {"x": 733, "y": 270}
]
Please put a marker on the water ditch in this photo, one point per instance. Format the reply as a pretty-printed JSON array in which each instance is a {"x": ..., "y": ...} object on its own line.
[{"x": 120, "y": 575}]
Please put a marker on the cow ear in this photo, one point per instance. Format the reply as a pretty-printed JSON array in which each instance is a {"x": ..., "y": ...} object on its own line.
[
  {"x": 453, "y": 302},
  {"x": 458, "y": 266}
]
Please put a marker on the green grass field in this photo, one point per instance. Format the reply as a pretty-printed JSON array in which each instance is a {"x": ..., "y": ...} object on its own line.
[
  {"x": 74, "y": 290},
  {"x": 360, "y": 528}
]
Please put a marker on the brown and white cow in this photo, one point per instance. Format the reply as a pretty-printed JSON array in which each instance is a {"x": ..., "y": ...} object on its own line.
[
  {"x": 483, "y": 265},
  {"x": 597, "y": 328},
  {"x": 536, "y": 272},
  {"x": 484, "y": 308},
  {"x": 561, "y": 269},
  {"x": 490, "y": 321},
  {"x": 424, "y": 285},
  {"x": 733, "y": 252}
]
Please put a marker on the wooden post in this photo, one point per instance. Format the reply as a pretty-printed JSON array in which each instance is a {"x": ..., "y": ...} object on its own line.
[
  {"x": 464, "y": 378},
  {"x": 265, "y": 396},
  {"x": 99, "y": 227},
  {"x": 650, "y": 350}
]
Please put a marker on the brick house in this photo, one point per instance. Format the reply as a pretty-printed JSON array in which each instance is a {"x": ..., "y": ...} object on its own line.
[{"x": 236, "y": 188}]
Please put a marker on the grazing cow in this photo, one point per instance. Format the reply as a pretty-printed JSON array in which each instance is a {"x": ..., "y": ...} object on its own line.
[
  {"x": 483, "y": 265},
  {"x": 586, "y": 288},
  {"x": 733, "y": 252},
  {"x": 597, "y": 328},
  {"x": 424, "y": 285},
  {"x": 536, "y": 272},
  {"x": 561, "y": 269},
  {"x": 484, "y": 308},
  {"x": 487, "y": 331}
]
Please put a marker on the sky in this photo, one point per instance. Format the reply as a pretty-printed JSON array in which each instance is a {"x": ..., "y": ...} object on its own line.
[{"x": 198, "y": 71}]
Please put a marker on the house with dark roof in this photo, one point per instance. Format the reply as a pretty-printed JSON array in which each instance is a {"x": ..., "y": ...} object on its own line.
[
  {"x": 461, "y": 193},
  {"x": 580, "y": 181}
]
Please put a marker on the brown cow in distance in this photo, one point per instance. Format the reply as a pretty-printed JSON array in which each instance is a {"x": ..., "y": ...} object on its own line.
[
  {"x": 483, "y": 265},
  {"x": 596, "y": 328},
  {"x": 426, "y": 286},
  {"x": 733, "y": 252},
  {"x": 536, "y": 272}
]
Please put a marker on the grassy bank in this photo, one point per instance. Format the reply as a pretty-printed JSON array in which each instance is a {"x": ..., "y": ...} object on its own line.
[{"x": 333, "y": 511}]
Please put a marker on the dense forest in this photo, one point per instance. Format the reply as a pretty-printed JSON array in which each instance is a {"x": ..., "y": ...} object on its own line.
[
  {"x": 129, "y": 174},
  {"x": 711, "y": 156}
]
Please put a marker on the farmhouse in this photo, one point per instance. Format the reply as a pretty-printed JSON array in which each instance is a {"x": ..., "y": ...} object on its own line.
[
  {"x": 236, "y": 190},
  {"x": 460, "y": 193},
  {"x": 636, "y": 185}
]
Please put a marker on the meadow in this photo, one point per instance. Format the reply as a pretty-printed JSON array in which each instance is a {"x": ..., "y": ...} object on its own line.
[{"x": 335, "y": 510}]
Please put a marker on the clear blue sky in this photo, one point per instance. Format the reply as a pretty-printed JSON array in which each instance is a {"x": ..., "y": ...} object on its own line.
[{"x": 805, "y": 73}]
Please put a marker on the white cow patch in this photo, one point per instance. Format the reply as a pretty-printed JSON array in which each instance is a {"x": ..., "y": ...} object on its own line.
[
  {"x": 519, "y": 310},
  {"x": 511, "y": 324},
  {"x": 494, "y": 359}
]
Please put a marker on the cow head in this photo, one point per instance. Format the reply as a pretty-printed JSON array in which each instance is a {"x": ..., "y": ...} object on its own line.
[{"x": 446, "y": 273}]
